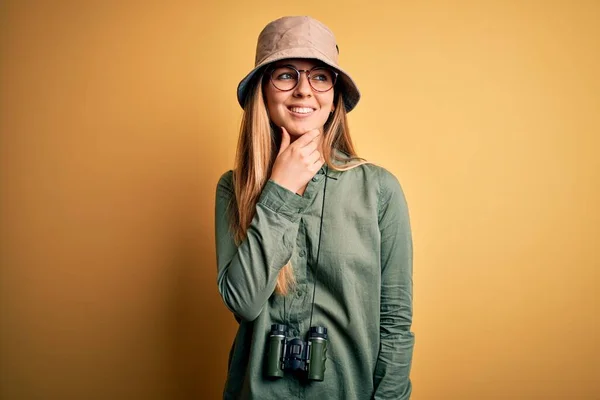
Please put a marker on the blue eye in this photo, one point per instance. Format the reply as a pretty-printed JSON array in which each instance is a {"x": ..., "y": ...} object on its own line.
[
  {"x": 321, "y": 78},
  {"x": 285, "y": 76}
]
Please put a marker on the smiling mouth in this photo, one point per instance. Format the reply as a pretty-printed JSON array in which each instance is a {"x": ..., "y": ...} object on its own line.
[{"x": 301, "y": 110}]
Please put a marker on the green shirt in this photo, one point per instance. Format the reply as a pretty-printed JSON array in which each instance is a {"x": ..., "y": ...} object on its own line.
[{"x": 363, "y": 285}]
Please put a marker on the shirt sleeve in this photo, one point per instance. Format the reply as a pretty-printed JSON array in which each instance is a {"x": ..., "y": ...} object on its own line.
[
  {"x": 247, "y": 274},
  {"x": 392, "y": 370}
]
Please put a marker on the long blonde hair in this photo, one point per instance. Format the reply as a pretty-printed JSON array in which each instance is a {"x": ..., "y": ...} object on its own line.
[{"x": 256, "y": 152}]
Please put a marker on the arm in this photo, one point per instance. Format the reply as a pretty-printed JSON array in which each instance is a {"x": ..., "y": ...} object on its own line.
[
  {"x": 246, "y": 275},
  {"x": 391, "y": 377}
]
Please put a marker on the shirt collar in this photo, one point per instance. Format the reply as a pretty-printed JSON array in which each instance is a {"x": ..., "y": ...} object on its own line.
[{"x": 339, "y": 159}]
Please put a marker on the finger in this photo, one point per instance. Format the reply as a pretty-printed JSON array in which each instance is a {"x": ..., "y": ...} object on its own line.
[
  {"x": 316, "y": 166},
  {"x": 313, "y": 158},
  {"x": 307, "y": 137},
  {"x": 309, "y": 148},
  {"x": 320, "y": 161},
  {"x": 285, "y": 140}
]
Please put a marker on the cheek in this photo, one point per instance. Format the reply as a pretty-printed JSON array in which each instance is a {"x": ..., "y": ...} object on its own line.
[
  {"x": 327, "y": 102},
  {"x": 273, "y": 100}
]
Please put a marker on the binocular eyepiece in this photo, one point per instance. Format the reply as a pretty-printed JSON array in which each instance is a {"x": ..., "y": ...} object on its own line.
[{"x": 297, "y": 355}]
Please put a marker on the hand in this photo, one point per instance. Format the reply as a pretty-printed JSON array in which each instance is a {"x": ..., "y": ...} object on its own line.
[{"x": 298, "y": 162}]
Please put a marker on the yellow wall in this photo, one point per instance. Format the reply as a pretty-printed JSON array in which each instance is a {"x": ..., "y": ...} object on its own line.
[{"x": 118, "y": 118}]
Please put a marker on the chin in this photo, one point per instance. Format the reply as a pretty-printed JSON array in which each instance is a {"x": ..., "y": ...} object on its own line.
[
  {"x": 300, "y": 129},
  {"x": 296, "y": 131}
]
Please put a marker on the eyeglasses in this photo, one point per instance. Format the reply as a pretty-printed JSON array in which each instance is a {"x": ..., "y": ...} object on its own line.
[{"x": 320, "y": 79}]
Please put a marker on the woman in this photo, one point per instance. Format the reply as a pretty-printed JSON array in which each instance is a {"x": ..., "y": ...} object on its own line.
[{"x": 313, "y": 243}]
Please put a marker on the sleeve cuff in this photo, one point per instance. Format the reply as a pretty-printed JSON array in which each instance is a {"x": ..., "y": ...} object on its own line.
[{"x": 283, "y": 201}]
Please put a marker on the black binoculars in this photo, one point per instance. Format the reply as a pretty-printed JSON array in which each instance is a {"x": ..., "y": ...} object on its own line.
[{"x": 296, "y": 355}]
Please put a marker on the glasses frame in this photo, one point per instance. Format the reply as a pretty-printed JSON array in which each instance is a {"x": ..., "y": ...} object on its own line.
[{"x": 298, "y": 75}]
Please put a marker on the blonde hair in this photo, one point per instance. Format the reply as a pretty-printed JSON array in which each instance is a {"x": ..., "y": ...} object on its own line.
[{"x": 256, "y": 153}]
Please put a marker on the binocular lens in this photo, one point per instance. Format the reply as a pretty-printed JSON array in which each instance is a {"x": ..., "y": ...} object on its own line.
[{"x": 296, "y": 354}]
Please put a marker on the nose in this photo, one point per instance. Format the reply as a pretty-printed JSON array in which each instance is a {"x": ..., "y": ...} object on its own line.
[{"x": 303, "y": 87}]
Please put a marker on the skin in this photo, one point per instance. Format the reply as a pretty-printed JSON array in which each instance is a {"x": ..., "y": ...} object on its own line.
[
  {"x": 278, "y": 102},
  {"x": 299, "y": 156}
]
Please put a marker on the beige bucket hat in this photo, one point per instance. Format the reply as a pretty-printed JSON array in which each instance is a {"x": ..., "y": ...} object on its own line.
[{"x": 299, "y": 37}]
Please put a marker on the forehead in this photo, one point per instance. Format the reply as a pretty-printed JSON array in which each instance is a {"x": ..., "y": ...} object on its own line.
[{"x": 300, "y": 63}]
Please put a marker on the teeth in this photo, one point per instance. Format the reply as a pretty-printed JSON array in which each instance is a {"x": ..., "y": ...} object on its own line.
[{"x": 301, "y": 110}]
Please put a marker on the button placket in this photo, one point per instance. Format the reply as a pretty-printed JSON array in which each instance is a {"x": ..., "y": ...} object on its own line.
[
  {"x": 301, "y": 253},
  {"x": 313, "y": 185}
]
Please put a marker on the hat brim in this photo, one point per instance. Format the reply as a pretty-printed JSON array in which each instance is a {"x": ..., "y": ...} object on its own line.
[{"x": 350, "y": 92}]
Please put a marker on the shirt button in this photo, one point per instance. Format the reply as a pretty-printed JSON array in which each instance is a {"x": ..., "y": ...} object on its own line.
[
  {"x": 315, "y": 179},
  {"x": 299, "y": 293},
  {"x": 302, "y": 253}
]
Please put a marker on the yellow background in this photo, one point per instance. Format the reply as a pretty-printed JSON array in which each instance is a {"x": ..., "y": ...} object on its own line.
[{"x": 117, "y": 119}]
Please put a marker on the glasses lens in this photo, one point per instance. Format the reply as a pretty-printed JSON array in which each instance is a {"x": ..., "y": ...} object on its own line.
[
  {"x": 322, "y": 79},
  {"x": 284, "y": 78}
]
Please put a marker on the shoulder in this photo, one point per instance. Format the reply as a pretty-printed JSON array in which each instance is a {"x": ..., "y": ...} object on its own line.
[
  {"x": 388, "y": 182},
  {"x": 225, "y": 185},
  {"x": 373, "y": 174},
  {"x": 377, "y": 177},
  {"x": 386, "y": 186}
]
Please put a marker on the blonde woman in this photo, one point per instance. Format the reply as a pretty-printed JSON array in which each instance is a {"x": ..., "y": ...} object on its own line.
[{"x": 314, "y": 248}]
